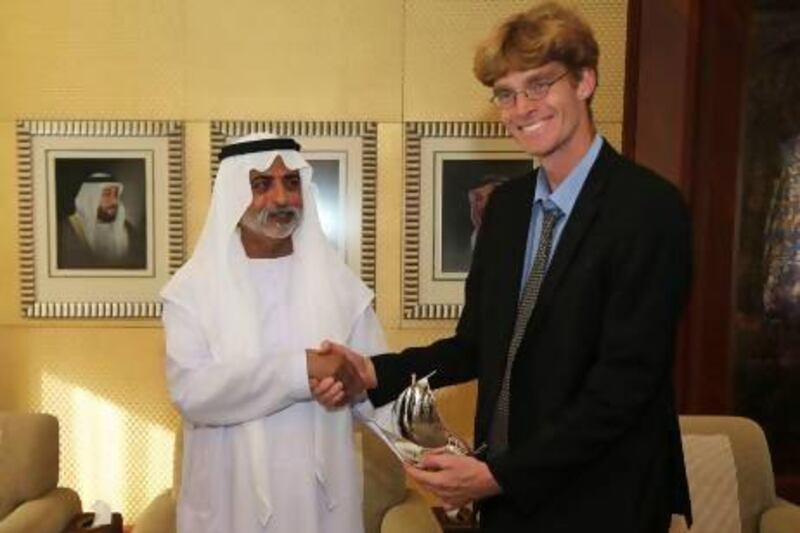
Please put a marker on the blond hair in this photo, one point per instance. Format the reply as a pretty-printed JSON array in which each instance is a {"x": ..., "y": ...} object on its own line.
[{"x": 547, "y": 32}]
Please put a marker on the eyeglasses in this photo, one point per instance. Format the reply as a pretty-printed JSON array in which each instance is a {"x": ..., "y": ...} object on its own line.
[{"x": 505, "y": 98}]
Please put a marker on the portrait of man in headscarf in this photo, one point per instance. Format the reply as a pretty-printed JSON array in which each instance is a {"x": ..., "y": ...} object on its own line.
[
  {"x": 466, "y": 185},
  {"x": 96, "y": 228}
]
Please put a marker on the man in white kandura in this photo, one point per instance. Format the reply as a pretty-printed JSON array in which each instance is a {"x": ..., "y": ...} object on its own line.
[{"x": 262, "y": 287}]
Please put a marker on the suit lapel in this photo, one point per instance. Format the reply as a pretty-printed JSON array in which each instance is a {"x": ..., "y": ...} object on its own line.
[
  {"x": 519, "y": 217},
  {"x": 507, "y": 286},
  {"x": 580, "y": 220}
]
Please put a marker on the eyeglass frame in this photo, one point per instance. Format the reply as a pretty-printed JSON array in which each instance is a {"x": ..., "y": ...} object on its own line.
[{"x": 535, "y": 91}]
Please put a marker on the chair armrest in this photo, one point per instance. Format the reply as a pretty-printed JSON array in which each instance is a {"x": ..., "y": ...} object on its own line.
[
  {"x": 49, "y": 514},
  {"x": 159, "y": 516},
  {"x": 782, "y": 518},
  {"x": 412, "y": 514}
]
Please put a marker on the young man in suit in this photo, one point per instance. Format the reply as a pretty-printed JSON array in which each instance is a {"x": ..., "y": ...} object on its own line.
[{"x": 580, "y": 273}]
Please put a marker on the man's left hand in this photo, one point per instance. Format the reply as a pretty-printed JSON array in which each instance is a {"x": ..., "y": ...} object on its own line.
[{"x": 454, "y": 479}]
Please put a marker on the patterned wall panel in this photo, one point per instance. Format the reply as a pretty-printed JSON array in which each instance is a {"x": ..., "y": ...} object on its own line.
[{"x": 441, "y": 37}]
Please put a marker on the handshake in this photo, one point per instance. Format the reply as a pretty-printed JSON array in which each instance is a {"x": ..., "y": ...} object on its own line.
[{"x": 337, "y": 375}]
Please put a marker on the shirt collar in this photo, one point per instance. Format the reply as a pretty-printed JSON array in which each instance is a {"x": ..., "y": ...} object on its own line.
[{"x": 566, "y": 193}]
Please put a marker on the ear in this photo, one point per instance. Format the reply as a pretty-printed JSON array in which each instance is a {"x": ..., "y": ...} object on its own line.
[{"x": 587, "y": 84}]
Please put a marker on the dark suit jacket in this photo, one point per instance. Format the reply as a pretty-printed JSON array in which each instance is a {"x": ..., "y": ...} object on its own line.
[{"x": 594, "y": 443}]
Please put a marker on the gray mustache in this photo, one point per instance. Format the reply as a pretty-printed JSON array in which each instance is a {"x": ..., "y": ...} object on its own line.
[{"x": 263, "y": 215}]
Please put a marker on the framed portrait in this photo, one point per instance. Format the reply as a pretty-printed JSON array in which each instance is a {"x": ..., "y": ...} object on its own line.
[
  {"x": 451, "y": 170},
  {"x": 101, "y": 216},
  {"x": 343, "y": 156}
]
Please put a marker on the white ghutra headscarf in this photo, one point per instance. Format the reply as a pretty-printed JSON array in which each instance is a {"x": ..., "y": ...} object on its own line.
[
  {"x": 214, "y": 285},
  {"x": 107, "y": 239}
]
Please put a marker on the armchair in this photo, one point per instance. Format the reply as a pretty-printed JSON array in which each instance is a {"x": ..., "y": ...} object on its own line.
[
  {"x": 760, "y": 511},
  {"x": 30, "y": 500}
]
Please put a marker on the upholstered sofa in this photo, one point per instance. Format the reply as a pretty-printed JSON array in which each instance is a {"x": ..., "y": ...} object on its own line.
[
  {"x": 389, "y": 507},
  {"x": 730, "y": 470},
  {"x": 30, "y": 500}
]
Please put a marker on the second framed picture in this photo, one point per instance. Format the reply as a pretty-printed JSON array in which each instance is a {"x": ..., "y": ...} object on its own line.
[
  {"x": 343, "y": 156},
  {"x": 451, "y": 170}
]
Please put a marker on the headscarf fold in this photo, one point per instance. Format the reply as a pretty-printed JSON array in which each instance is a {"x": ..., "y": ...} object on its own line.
[{"x": 109, "y": 239}]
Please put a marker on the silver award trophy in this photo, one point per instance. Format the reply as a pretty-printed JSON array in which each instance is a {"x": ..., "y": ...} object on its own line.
[
  {"x": 419, "y": 425},
  {"x": 422, "y": 430}
]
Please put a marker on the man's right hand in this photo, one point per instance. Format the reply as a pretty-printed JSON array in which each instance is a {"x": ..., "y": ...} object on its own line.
[
  {"x": 339, "y": 375},
  {"x": 333, "y": 392}
]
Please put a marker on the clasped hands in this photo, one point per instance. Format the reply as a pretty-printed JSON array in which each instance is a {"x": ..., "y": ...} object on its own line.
[{"x": 337, "y": 375}]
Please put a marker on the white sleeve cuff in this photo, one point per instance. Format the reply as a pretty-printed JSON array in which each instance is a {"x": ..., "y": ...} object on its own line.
[{"x": 297, "y": 370}]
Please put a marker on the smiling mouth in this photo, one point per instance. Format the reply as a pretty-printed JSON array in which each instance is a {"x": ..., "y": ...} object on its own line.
[{"x": 531, "y": 128}]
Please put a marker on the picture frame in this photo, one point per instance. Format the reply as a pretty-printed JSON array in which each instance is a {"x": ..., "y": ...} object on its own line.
[
  {"x": 344, "y": 158},
  {"x": 101, "y": 221},
  {"x": 444, "y": 161}
]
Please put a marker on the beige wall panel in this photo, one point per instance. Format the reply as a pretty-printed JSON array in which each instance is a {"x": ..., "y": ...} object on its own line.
[
  {"x": 9, "y": 250},
  {"x": 320, "y": 60},
  {"x": 612, "y": 131},
  {"x": 92, "y": 59},
  {"x": 441, "y": 38},
  {"x": 389, "y": 227},
  {"x": 13, "y": 363},
  {"x": 197, "y": 191},
  {"x": 284, "y": 59},
  {"x": 609, "y": 20}
]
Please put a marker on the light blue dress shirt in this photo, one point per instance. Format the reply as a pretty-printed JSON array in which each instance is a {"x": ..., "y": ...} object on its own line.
[{"x": 563, "y": 198}]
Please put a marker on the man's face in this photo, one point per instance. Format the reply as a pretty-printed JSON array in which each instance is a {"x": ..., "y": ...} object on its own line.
[
  {"x": 109, "y": 204},
  {"x": 547, "y": 126},
  {"x": 277, "y": 205}
]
